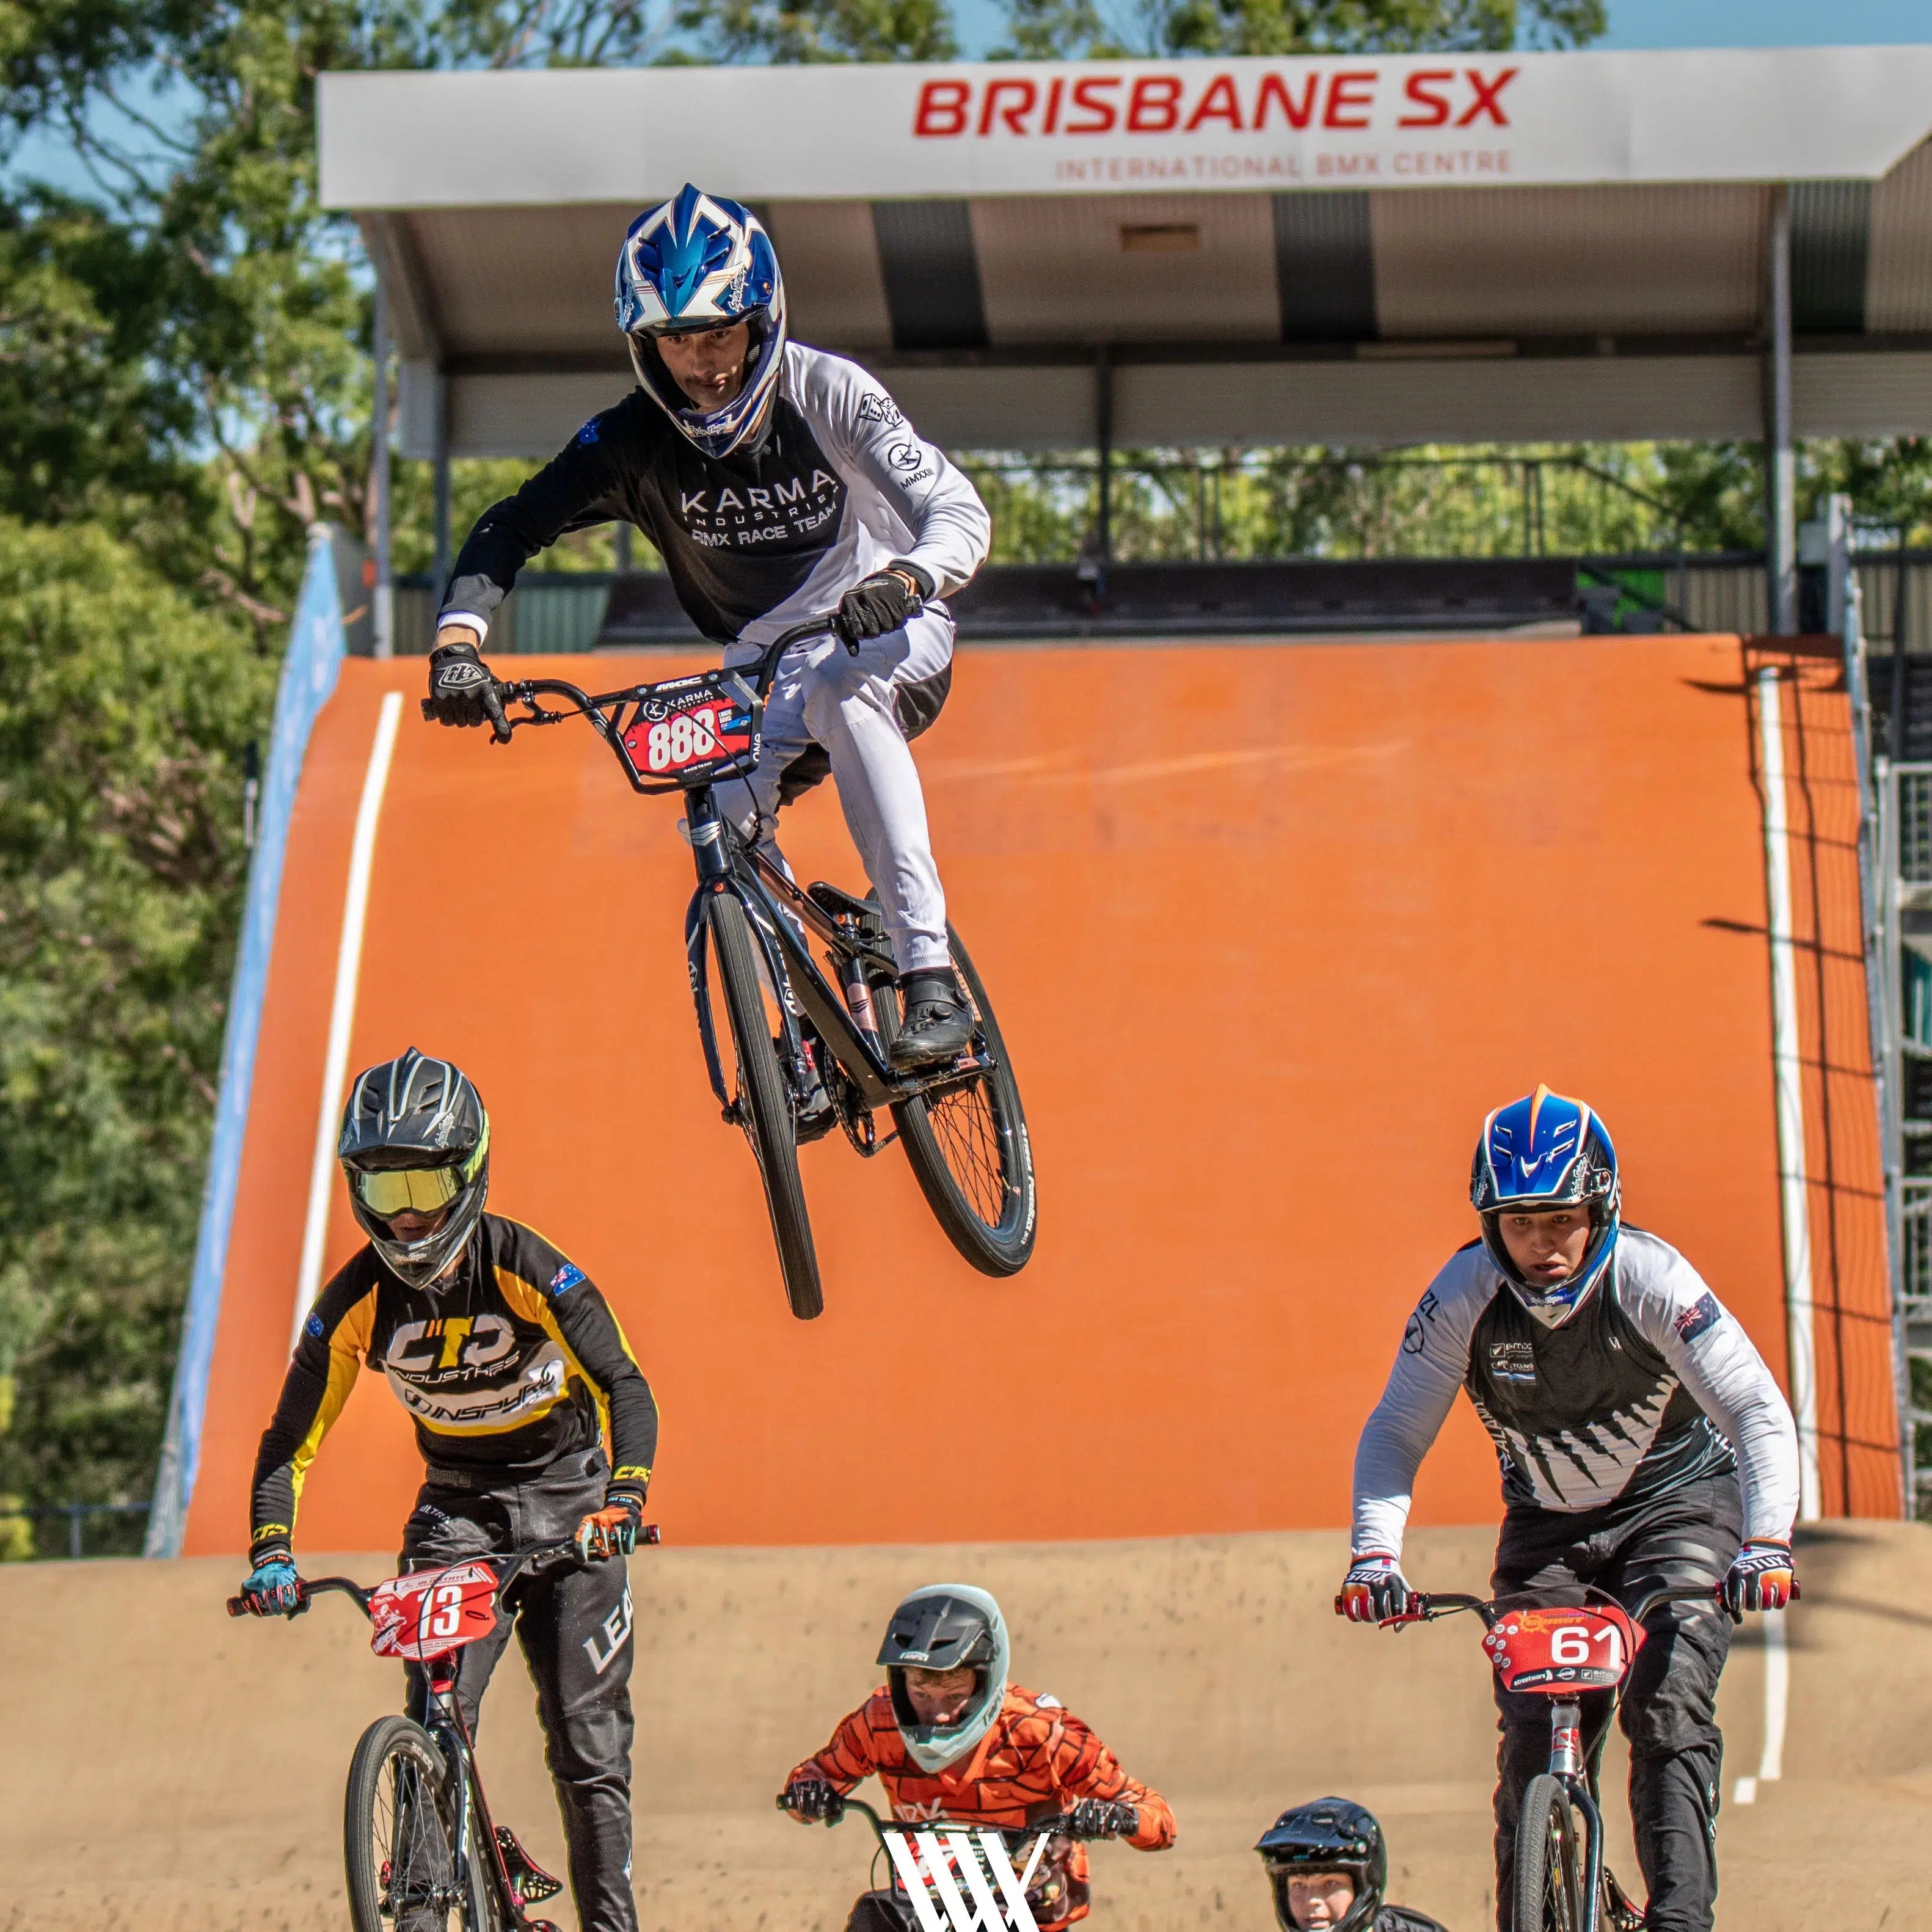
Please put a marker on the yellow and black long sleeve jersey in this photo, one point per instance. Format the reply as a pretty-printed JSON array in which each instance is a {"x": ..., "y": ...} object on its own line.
[{"x": 515, "y": 1360}]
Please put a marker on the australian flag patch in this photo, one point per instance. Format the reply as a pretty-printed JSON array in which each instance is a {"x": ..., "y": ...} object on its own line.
[
  {"x": 1702, "y": 1314},
  {"x": 566, "y": 1278}
]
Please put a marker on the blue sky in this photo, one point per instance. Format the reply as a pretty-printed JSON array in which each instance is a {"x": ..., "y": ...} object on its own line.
[{"x": 1664, "y": 23}]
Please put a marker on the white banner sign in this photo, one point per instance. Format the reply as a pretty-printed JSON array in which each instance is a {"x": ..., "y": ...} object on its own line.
[{"x": 405, "y": 140}]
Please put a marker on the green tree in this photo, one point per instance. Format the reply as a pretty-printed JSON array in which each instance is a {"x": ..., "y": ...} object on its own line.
[
  {"x": 1083, "y": 29},
  {"x": 124, "y": 713}
]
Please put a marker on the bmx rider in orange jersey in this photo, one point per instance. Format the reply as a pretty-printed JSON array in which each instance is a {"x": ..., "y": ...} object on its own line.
[{"x": 949, "y": 1737}]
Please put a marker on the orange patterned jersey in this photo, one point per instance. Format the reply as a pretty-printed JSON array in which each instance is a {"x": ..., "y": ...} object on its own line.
[{"x": 1037, "y": 1760}]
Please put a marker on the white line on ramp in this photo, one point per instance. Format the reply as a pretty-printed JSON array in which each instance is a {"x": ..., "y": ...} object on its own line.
[
  {"x": 342, "y": 1013},
  {"x": 1777, "y": 1702}
]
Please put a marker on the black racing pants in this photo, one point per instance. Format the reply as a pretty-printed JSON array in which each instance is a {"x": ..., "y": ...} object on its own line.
[
  {"x": 574, "y": 1622},
  {"x": 1669, "y": 1714}
]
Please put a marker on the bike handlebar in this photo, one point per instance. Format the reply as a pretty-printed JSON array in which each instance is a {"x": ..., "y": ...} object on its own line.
[
  {"x": 1041, "y": 1828},
  {"x": 506, "y": 1564},
  {"x": 510, "y": 691},
  {"x": 1492, "y": 1610}
]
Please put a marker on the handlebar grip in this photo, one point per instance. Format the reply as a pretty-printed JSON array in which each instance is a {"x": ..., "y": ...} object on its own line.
[
  {"x": 237, "y": 1606},
  {"x": 428, "y": 710},
  {"x": 648, "y": 1534}
]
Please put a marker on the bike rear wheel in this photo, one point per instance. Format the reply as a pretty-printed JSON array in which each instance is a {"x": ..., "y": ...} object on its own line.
[
  {"x": 1549, "y": 1860},
  {"x": 968, "y": 1145},
  {"x": 399, "y": 1834},
  {"x": 763, "y": 1106}
]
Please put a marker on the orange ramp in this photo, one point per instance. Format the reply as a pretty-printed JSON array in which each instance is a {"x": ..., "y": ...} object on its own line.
[{"x": 1268, "y": 927}]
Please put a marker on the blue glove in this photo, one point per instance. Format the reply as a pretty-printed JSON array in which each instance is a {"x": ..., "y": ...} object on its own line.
[{"x": 273, "y": 1588}]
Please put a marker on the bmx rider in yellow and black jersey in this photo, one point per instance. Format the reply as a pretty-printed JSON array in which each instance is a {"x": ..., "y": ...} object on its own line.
[{"x": 514, "y": 1369}]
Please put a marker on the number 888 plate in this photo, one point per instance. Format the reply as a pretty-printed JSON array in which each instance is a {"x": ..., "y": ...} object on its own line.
[{"x": 684, "y": 729}]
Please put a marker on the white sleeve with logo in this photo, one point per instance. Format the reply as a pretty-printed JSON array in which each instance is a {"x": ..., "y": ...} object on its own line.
[
  {"x": 911, "y": 500},
  {"x": 1429, "y": 1367},
  {"x": 1706, "y": 1348}
]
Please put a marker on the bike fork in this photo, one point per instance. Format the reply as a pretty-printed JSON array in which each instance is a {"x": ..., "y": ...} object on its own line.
[{"x": 1566, "y": 1762}]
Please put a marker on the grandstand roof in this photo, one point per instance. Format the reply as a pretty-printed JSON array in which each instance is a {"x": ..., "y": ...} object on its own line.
[{"x": 1345, "y": 249}]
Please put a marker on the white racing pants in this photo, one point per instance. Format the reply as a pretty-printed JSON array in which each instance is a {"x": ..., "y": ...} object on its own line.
[{"x": 857, "y": 712}]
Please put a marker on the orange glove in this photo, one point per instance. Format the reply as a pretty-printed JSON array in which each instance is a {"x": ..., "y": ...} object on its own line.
[{"x": 611, "y": 1530}]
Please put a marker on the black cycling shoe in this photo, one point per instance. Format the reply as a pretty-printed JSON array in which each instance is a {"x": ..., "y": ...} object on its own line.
[{"x": 938, "y": 1024}]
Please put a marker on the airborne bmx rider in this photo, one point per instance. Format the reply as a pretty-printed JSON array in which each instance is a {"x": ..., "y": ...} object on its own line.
[
  {"x": 1643, "y": 1445},
  {"x": 949, "y": 1738},
  {"x": 511, "y": 1364},
  {"x": 777, "y": 482}
]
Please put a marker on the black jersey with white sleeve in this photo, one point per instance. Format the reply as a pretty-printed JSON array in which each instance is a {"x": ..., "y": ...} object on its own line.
[
  {"x": 1651, "y": 1384},
  {"x": 838, "y": 485}
]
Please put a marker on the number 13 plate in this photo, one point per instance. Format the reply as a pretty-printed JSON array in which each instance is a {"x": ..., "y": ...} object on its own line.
[{"x": 434, "y": 1612}]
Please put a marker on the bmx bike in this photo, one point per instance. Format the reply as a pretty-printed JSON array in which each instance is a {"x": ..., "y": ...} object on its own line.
[
  {"x": 420, "y": 1850},
  {"x": 961, "y": 1875},
  {"x": 807, "y": 1053},
  {"x": 1560, "y": 1652}
]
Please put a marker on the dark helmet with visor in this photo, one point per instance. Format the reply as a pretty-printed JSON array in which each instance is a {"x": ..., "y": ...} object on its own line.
[
  {"x": 1331, "y": 1834},
  {"x": 415, "y": 1139},
  {"x": 940, "y": 1627}
]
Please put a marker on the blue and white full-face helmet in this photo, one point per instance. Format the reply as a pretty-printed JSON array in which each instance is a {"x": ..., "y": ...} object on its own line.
[
  {"x": 698, "y": 262},
  {"x": 1536, "y": 1155}
]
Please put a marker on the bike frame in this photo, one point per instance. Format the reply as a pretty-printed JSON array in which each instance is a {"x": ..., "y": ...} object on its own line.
[
  {"x": 1567, "y": 1764},
  {"x": 441, "y": 1716},
  {"x": 780, "y": 913}
]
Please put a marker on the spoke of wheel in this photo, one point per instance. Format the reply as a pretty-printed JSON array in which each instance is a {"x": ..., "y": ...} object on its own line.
[
  {"x": 962, "y": 1121},
  {"x": 409, "y": 1855}
]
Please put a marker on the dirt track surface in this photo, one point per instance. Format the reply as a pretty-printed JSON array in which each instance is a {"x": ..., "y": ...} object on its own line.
[{"x": 167, "y": 1769}]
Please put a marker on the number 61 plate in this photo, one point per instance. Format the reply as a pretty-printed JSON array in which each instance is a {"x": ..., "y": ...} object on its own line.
[{"x": 693, "y": 727}]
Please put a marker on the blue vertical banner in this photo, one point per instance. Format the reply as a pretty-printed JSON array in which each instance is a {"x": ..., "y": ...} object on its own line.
[{"x": 309, "y": 672}]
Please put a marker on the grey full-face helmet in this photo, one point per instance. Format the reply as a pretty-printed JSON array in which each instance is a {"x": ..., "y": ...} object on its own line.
[
  {"x": 415, "y": 1138},
  {"x": 941, "y": 1627}
]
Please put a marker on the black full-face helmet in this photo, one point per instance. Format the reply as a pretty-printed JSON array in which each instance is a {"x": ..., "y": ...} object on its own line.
[
  {"x": 1331, "y": 1834},
  {"x": 940, "y": 1627},
  {"x": 415, "y": 1138}
]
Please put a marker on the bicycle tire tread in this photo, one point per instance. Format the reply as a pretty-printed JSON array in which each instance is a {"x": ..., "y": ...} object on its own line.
[{"x": 762, "y": 1090}]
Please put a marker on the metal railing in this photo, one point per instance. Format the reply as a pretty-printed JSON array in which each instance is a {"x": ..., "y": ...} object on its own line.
[{"x": 77, "y": 1516}]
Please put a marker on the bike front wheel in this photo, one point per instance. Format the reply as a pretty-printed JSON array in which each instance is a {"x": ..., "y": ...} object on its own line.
[
  {"x": 763, "y": 1106},
  {"x": 968, "y": 1143},
  {"x": 399, "y": 1834},
  {"x": 1550, "y": 1895}
]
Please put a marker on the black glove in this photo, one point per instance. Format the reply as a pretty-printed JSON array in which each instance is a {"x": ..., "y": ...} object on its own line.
[
  {"x": 1100, "y": 1818},
  {"x": 462, "y": 690},
  {"x": 1375, "y": 1590},
  {"x": 882, "y": 603},
  {"x": 812, "y": 1800},
  {"x": 1760, "y": 1578}
]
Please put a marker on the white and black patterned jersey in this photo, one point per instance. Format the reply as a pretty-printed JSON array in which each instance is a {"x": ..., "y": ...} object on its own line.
[
  {"x": 838, "y": 485},
  {"x": 1651, "y": 1384}
]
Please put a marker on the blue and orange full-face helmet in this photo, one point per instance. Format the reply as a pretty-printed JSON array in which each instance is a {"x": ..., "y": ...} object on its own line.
[
  {"x": 1536, "y": 1155},
  {"x": 698, "y": 262}
]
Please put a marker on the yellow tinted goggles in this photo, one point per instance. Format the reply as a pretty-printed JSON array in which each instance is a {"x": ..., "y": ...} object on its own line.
[{"x": 400, "y": 1190}]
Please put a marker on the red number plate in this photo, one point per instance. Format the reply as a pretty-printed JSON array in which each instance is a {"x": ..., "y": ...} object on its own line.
[
  {"x": 677, "y": 731},
  {"x": 1561, "y": 1651},
  {"x": 434, "y": 1612}
]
